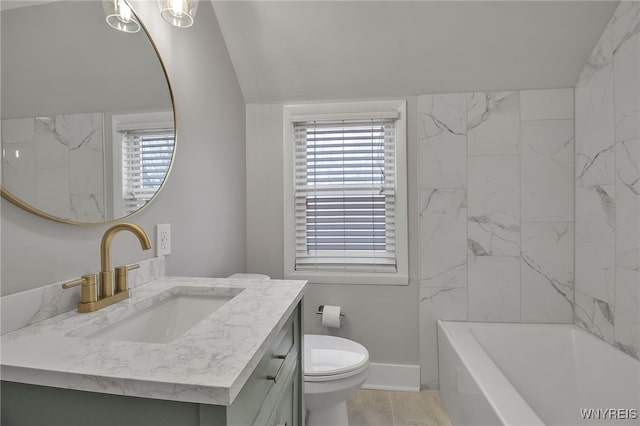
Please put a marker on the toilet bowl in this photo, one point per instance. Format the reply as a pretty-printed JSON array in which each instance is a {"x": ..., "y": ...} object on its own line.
[{"x": 334, "y": 368}]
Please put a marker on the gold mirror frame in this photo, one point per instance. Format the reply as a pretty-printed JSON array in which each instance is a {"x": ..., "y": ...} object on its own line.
[{"x": 9, "y": 196}]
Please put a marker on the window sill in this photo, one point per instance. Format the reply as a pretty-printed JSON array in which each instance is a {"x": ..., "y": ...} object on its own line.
[{"x": 349, "y": 278}]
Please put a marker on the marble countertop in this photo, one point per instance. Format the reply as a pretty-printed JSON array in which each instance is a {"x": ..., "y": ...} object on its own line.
[{"x": 208, "y": 364}]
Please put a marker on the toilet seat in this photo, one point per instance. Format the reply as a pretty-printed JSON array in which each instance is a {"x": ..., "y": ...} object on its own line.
[{"x": 332, "y": 358}]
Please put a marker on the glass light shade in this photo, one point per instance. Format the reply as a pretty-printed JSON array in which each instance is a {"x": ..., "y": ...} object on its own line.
[
  {"x": 120, "y": 16},
  {"x": 179, "y": 13}
]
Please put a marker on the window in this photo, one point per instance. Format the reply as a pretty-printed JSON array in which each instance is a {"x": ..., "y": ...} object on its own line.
[
  {"x": 143, "y": 145},
  {"x": 146, "y": 158},
  {"x": 345, "y": 214}
]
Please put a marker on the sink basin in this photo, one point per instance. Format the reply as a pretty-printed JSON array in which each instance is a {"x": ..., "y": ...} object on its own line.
[{"x": 164, "y": 321}]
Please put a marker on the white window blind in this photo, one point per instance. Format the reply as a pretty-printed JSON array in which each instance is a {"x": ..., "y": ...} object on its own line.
[
  {"x": 146, "y": 158},
  {"x": 344, "y": 195}
]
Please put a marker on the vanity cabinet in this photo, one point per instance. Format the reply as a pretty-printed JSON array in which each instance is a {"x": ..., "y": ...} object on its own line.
[
  {"x": 272, "y": 395},
  {"x": 286, "y": 412},
  {"x": 264, "y": 396}
]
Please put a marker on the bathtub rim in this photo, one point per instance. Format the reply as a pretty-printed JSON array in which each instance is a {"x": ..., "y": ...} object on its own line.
[
  {"x": 505, "y": 400},
  {"x": 574, "y": 328},
  {"x": 452, "y": 330}
]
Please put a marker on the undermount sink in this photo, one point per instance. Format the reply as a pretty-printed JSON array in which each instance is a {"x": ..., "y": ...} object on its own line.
[{"x": 164, "y": 321}]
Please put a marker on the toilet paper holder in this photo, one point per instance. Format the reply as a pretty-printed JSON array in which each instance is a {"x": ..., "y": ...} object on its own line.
[{"x": 321, "y": 310}]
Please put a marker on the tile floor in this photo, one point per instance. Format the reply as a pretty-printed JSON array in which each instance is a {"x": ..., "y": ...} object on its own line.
[{"x": 382, "y": 408}]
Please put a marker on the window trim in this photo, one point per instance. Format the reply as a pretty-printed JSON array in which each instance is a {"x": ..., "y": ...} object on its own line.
[{"x": 349, "y": 110}]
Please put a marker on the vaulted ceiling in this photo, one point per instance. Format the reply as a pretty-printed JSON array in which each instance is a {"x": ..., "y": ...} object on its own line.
[{"x": 312, "y": 50}]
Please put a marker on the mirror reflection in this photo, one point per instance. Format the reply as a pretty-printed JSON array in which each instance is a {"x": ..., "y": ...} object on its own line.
[{"x": 87, "y": 115}]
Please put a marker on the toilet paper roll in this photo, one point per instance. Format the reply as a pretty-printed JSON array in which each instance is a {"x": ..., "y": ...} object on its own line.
[{"x": 331, "y": 316}]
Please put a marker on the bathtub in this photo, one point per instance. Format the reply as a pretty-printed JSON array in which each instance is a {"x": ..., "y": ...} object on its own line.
[{"x": 530, "y": 374}]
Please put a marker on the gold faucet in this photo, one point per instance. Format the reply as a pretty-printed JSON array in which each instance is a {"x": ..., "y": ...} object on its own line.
[
  {"x": 89, "y": 301},
  {"x": 106, "y": 275}
]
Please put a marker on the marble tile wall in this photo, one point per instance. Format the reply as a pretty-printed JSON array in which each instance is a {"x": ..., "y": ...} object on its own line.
[
  {"x": 496, "y": 210},
  {"x": 56, "y": 164},
  {"x": 608, "y": 185}
]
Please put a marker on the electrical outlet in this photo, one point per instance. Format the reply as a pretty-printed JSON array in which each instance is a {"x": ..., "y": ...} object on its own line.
[{"x": 163, "y": 239}]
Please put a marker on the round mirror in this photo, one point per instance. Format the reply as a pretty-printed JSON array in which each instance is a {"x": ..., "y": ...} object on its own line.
[{"x": 88, "y": 128}]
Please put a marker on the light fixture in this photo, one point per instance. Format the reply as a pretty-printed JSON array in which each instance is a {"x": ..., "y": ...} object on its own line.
[
  {"x": 179, "y": 13},
  {"x": 120, "y": 16}
]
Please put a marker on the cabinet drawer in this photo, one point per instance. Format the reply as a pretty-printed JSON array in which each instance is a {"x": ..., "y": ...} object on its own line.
[
  {"x": 266, "y": 381},
  {"x": 285, "y": 412}
]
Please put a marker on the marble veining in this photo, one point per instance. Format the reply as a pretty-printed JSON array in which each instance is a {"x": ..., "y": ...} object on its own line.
[
  {"x": 594, "y": 116},
  {"x": 595, "y": 241},
  {"x": 626, "y": 23},
  {"x": 601, "y": 56},
  {"x": 547, "y": 272},
  {"x": 494, "y": 206},
  {"x": 595, "y": 316},
  {"x": 87, "y": 208},
  {"x": 207, "y": 364},
  {"x": 627, "y": 318},
  {"x": 626, "y": 65},
  {"x": 497, "y": 218},
  {"x": 442, "y": 141},
  {"x": 493, "y": 123},
  {"x": 56, "y": 164},
  {"x": 595, "y": 129},
  {"x": 628, "y": 205},
  {"x": 443, "y": 238},
  {"x": 607, "y": 226},
  {"x": 32, "y": 306}
]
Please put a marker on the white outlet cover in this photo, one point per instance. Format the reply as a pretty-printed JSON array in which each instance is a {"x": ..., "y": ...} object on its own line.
[{"x": 163, "y": 239}]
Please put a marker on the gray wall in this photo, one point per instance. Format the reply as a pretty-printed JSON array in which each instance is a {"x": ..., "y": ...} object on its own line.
[
  {"x": 47, "y": 71},
  {"x": 383, "y": 318},
  {"x": 204, "y": 198}
]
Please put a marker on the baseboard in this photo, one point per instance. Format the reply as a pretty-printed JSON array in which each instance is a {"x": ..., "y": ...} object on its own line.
[{"x": 396, "y": 377}]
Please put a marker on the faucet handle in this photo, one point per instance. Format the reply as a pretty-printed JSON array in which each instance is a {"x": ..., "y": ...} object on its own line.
[
  {"x": 121, "y": 276},
  {"x": 73, "y": 283},
  {"x": 89, "y": 292}
]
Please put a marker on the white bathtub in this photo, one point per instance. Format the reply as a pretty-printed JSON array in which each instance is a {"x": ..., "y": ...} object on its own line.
[{"x": 529, "y": 374}]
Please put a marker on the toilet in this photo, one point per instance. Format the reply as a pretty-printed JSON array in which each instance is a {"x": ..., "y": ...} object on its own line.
[{"x": 334, "y": 368}]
